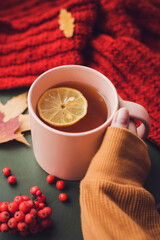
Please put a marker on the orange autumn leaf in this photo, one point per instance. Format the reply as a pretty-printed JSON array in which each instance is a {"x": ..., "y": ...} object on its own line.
[
  {"x": 13, "y": 108},
  {"x": 66, "y": 23}
]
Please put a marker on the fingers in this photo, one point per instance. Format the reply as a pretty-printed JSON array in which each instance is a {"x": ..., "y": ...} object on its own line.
[
  {"x": 121, "y": 119},
  {"x": 132, "y": 127}
]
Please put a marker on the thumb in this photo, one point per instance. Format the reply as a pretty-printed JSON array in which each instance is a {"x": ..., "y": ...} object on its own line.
[{"x": 121, "y": 118}]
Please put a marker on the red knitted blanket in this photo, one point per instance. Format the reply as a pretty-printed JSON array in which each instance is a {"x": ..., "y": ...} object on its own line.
[{"x": 119, "y": 38}]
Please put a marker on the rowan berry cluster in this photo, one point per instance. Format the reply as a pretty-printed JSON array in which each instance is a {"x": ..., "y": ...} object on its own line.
[{"x": 25, "y": 215}]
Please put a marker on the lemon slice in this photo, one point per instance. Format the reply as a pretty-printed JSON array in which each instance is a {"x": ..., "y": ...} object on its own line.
[{"x": 62, "y": 106}]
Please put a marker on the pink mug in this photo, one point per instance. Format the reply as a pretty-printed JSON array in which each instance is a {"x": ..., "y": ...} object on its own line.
[{"x": 68, "y": 155}]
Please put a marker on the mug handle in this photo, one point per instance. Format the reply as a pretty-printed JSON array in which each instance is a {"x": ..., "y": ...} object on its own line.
[{"x": 136, "y": 111}]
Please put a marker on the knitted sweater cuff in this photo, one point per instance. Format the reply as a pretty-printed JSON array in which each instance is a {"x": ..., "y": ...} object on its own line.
[{"x": 122, "y": 158}]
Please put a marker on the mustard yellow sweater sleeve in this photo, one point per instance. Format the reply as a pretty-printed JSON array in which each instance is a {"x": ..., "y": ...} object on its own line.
[{"x": 114, "y": 204}]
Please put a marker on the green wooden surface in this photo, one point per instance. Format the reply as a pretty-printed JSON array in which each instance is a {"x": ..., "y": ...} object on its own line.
[
  {"x": 66, "y": 216},
  {"x": 20, "y": 158}
]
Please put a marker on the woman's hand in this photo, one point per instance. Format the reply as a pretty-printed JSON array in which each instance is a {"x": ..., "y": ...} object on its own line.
[{"x": 121, "y": 119}]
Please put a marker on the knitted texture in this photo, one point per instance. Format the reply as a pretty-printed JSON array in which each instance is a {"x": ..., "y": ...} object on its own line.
[
  {"x": 114, "y": 204},
  {"x": 119, "y": 38}
]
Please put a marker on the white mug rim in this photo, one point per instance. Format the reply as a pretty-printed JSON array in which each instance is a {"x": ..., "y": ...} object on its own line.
[{"x": 99, "y": 128}]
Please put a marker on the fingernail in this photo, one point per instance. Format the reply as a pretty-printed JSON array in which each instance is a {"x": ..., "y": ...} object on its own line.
[{"x": 123, "y": 117}]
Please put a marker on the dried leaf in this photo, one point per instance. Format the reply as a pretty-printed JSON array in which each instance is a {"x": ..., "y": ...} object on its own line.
[
  {"x": 7, "y": 129},
  {"x": 25, "y": 126},
  {"x": 66, "y": 23},
  {"x": 13, "y": 108},
  {"x": 25, "y": 123}
]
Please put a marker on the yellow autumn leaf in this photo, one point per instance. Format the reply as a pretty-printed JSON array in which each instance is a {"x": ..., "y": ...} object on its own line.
[
  {"x": 25, "y": 126},
  {"x": 66, "y": 23},
  {"x": 14, "y": 106}
]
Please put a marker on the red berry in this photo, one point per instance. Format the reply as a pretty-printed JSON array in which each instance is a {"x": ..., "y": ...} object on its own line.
[
  {"x": 4, "y": 206},
  {"x": 36, "y": 204},
  {"x": 13, "y": 207},
  {"x": 25, "y": 198},
  {"x": 46, "y": 222},
  {"x": 11, "y": 179},
  {"x": 4, "y": 216},
  {"x": 50, "y": 179},
  {"x": 48, "y": 210},
  {"x": 12, "y": 223},
  {"x": 34, "y": 189},
  {"x": 29, "y": 218},
  {"x": 24, "y": 207},
  {"x": 33, "y": 223},
  {"x": 60, "y": 184},
  {"x": 42, "y": 214},
  {"x": 18, "y": 199},
  {"x": 39, "y": 193},
  {"x": 4, "y": 227},
  {"x": 33, "y": 204},
  {"x": 19, "y": 216},
  {"x": 33, "y": 211},
  {"x": 6, "y": 171},
  {"x": 63, "y": 197},
  {"x": 41, "y": 199},
  {"x": 41, "y": 206},
  {"x": 22, "y": 226}
]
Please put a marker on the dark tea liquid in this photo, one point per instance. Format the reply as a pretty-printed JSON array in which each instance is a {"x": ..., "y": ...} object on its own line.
[{"x": 97, "y": 111}]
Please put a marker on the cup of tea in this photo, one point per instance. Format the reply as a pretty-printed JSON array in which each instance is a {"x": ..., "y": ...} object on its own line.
[{"x": 67, "y": 151}]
